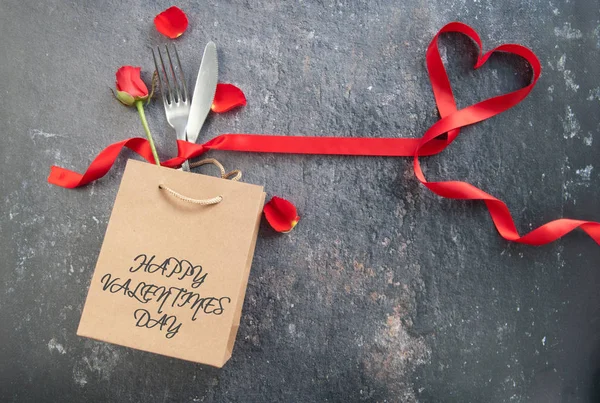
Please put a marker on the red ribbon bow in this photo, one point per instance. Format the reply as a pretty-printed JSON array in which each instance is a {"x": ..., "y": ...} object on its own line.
[{"x": 452, "y": 119}]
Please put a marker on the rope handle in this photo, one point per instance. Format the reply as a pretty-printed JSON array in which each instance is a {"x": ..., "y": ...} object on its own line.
[{"x": 234, "y": 175}]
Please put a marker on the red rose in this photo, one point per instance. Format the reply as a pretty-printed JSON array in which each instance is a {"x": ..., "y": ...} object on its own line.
[
  {"x": 130, "y": 87},
  {"x": 131, "y": 91}
]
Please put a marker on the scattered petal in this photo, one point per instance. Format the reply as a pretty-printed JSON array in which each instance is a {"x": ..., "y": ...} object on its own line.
[
  {"x": 227, "y": 97},
  {"x": 172, "y": 22},
  {"x": 281, "y": 214}
]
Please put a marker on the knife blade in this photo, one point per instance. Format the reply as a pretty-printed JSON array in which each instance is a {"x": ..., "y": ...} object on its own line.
[{"x": 204, "y": 92}]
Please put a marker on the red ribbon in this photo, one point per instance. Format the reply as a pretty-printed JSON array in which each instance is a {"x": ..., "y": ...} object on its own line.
[{"x": 432, "y": 142}]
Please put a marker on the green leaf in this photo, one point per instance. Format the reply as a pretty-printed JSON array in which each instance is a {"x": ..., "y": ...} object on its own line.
[{"x": 153, "y": 87}]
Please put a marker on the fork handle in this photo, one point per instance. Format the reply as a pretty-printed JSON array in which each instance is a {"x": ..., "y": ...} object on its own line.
[{"x": 180, "y": 132}]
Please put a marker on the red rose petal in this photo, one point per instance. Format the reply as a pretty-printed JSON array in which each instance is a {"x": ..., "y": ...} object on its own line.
[
  {"x": 172, "y": 22},
  {"x": 281, "y": 214},
  {"x": 227, "y": 97}
]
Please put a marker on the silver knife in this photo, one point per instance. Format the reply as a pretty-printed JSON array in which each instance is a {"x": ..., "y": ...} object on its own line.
[{"x": 204, "y": 92}]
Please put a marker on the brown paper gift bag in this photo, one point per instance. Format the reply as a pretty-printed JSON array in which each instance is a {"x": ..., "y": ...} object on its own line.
[{"x": 171, "y": 275}]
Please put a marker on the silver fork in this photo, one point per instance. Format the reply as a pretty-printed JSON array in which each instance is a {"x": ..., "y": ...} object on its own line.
[{"x": 174, "y": 93}]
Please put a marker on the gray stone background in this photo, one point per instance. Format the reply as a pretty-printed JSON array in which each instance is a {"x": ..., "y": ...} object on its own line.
[{"x": 384, "y": 291}]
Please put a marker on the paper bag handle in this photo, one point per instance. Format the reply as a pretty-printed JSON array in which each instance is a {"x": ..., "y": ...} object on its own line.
[{"x": 234, "y": 175}]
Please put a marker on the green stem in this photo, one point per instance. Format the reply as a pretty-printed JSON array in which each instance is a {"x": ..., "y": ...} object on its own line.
[{"x": 140, "y": 107}]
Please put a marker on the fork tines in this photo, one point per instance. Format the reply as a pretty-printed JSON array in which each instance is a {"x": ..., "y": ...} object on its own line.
[{"x": 171, "y": 80}]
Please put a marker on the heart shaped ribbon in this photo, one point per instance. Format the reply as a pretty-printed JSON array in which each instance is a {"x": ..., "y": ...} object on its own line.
[{"x": 452, "y": 119}]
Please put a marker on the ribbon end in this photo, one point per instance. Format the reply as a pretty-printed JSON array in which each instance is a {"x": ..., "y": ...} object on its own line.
[{"x": 63, "y": 177}]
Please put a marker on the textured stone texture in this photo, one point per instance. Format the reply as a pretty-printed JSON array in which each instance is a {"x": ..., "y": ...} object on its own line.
[{"x": 383, "y": 292}]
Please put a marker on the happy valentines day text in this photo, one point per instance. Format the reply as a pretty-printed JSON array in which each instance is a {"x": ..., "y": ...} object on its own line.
[{"x": 163, "y": 296}]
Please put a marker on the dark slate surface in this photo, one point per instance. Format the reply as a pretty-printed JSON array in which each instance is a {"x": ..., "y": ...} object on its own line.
[{"x": 384, "y": 292}]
